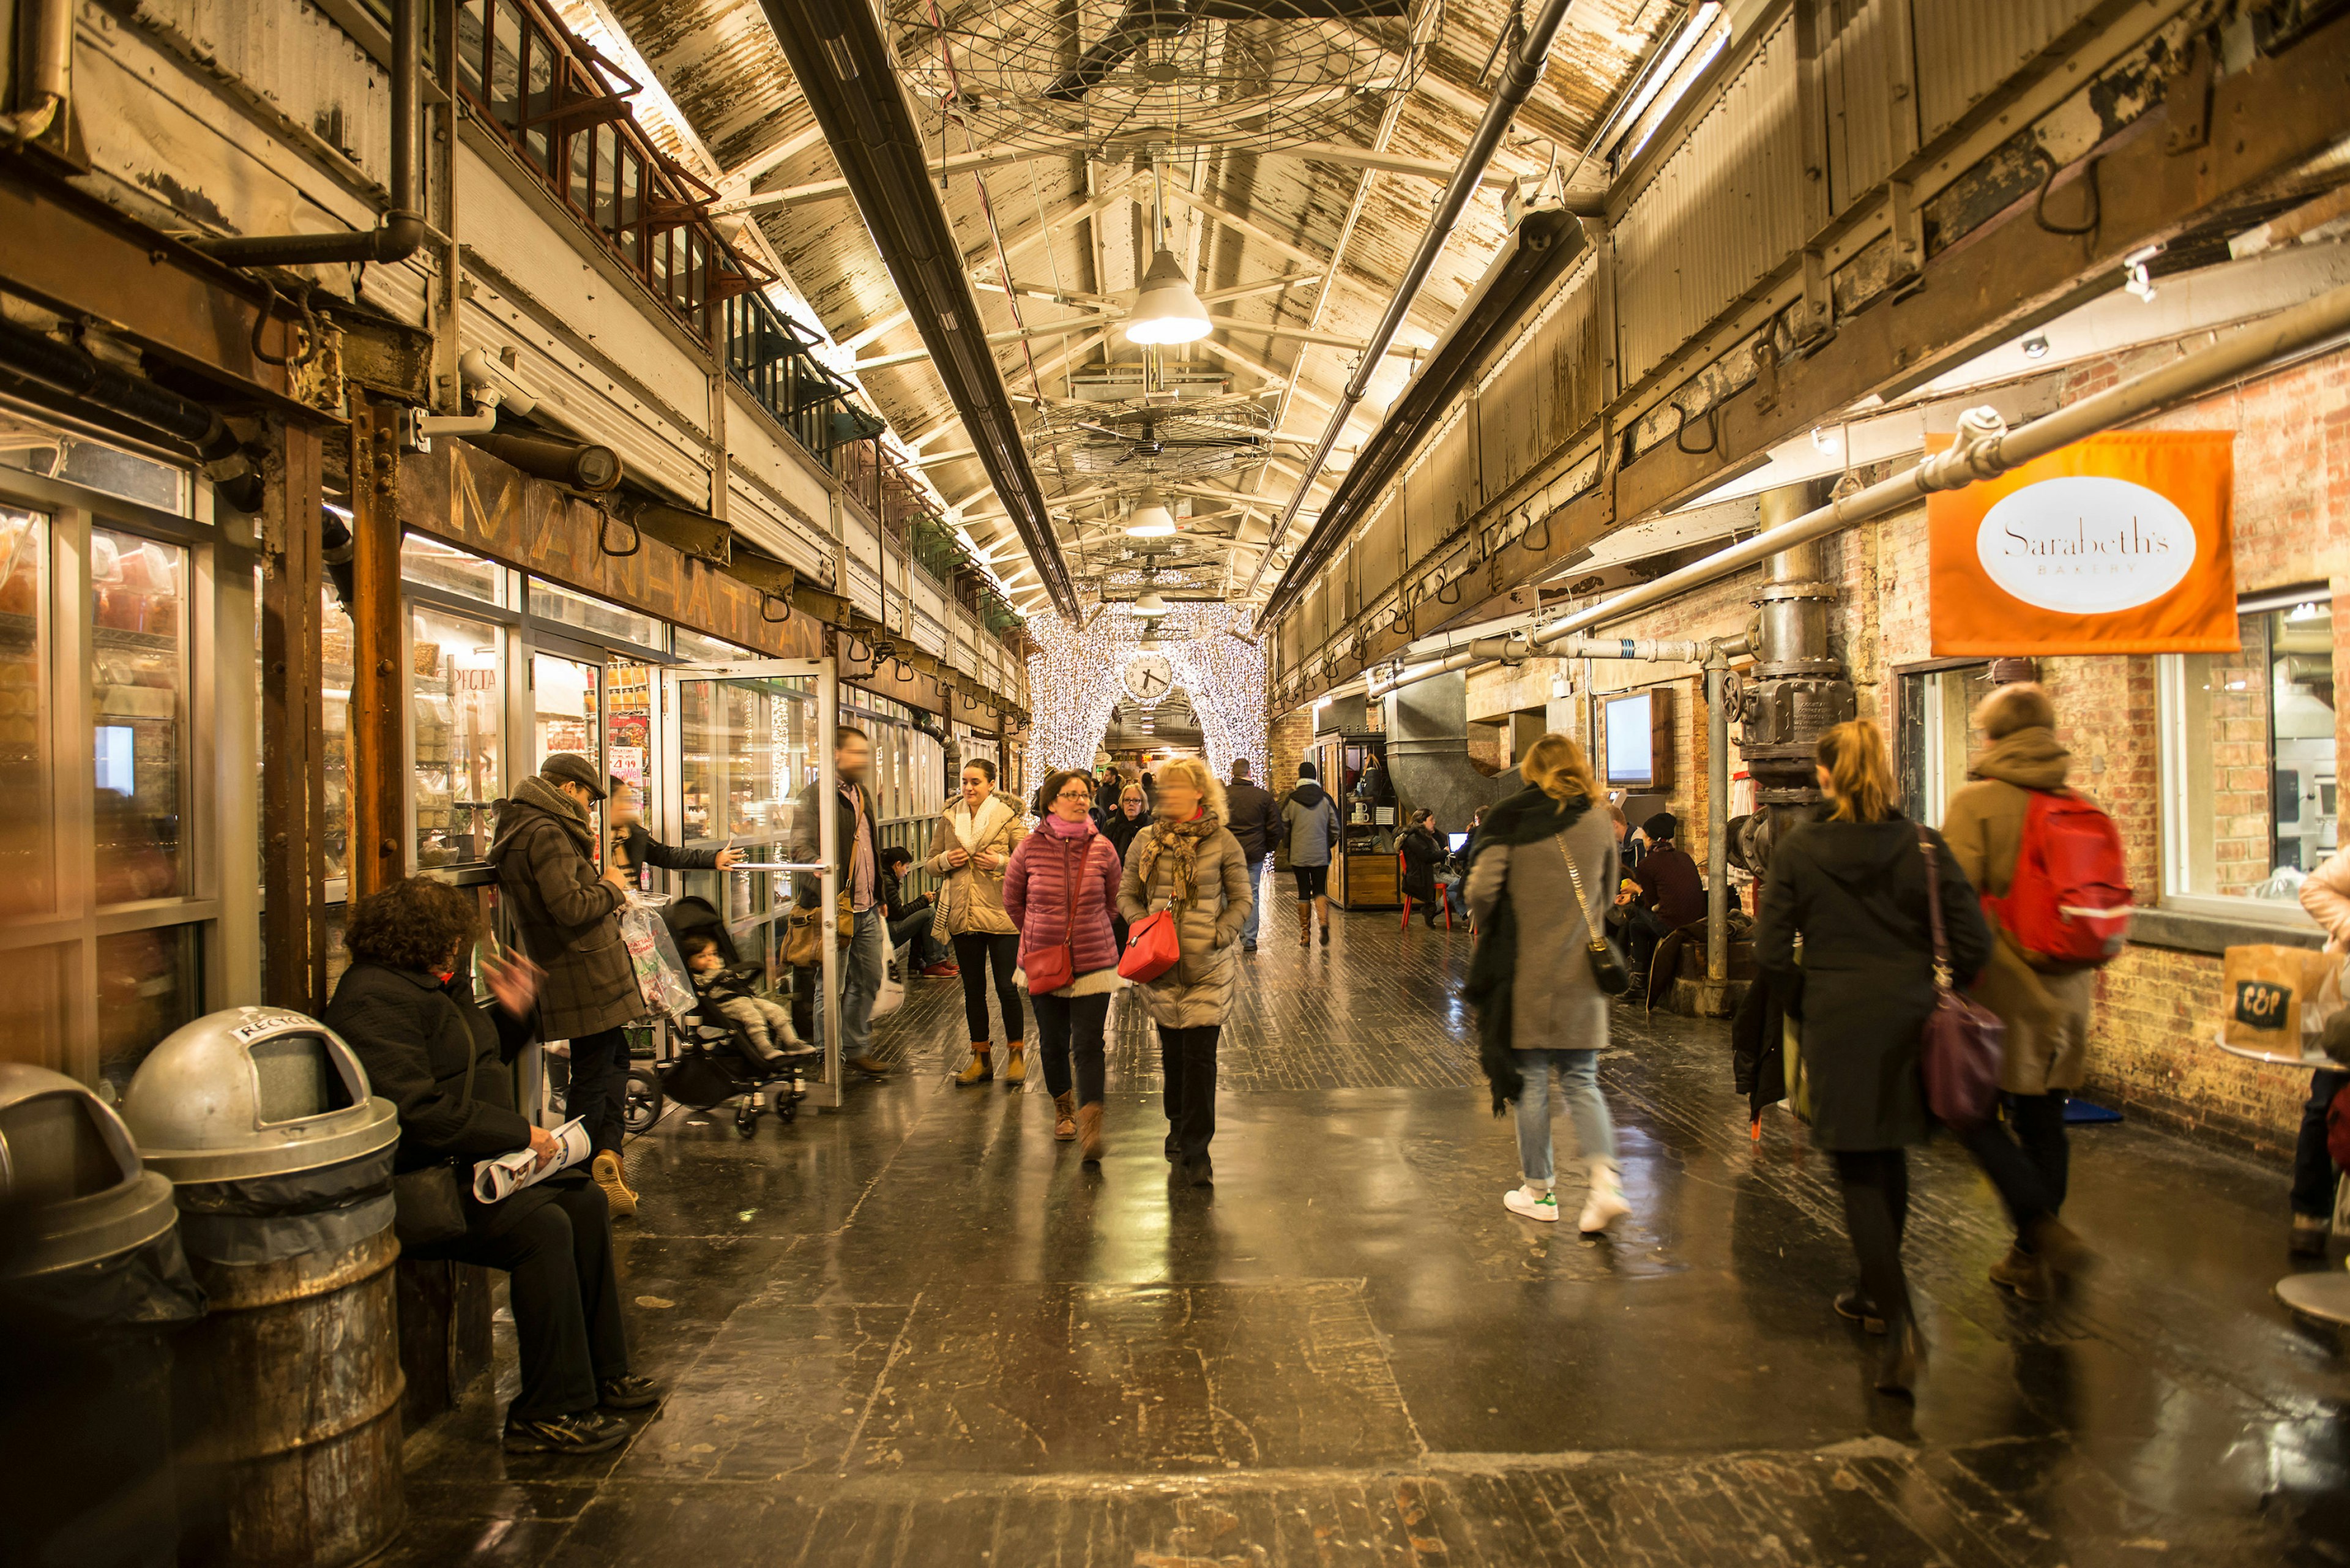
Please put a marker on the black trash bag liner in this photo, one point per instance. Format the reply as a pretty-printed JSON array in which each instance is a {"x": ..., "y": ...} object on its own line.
[{"x": 263, "y": 1218}]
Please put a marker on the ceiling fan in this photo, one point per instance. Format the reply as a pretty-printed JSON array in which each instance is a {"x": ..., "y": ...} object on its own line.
[{"x": 1144, "y": 20}]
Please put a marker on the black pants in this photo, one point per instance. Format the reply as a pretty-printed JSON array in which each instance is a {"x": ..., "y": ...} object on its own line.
[
  {"x": 914, "y": 926},
  {"x": 1643, "y": 930},
  {"x": 1875, "y": 1185},
  {"x": 599, "y": 1087},
  {"x": 974, "y": 951},
  {"x": 2030, "y": 1168},
  {"x": 1071, "y": 1027},
  {"x": 1188, "y": 1059},
  {"x": 2312, "y": 1167},
  {"x": 555, "y": 1242}
]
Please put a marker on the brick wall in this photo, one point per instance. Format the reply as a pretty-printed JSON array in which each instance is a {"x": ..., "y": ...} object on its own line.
[{"x": 1286, "y": 739}]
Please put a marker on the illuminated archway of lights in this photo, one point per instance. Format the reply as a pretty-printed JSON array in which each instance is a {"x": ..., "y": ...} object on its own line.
[{"x": 1075, "y": 684}]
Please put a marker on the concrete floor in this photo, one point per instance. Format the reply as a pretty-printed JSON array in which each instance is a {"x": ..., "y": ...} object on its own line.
[{"x": 918, "y": 1331}]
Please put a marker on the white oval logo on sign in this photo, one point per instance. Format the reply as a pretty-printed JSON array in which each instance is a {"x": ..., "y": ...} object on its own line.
[{"x": 2085, "y": 545}]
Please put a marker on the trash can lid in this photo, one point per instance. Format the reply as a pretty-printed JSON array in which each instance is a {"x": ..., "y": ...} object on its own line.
[
  {"x": 68, "y": 1160},
  {"x": 253, "y": 1091}
]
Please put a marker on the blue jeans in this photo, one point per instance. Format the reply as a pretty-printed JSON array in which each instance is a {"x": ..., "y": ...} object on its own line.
[
  {"x": 860, "y": 984},
  {"x": 2312, "y": 1167},
  {"x": 1578, "y": 1081},
  {"x": 1256, "y": 900}
]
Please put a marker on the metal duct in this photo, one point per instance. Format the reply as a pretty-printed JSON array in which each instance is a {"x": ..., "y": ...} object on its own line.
[
  {"x": 1428, "y": 753},
  {"x": 845, "y": 70},
  {"x": 1797, "y": 692},
  {"x": 578, "y": 464}
]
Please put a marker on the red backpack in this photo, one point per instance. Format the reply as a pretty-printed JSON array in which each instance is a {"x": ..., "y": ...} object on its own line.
[{"x": 2069, "y": 901}]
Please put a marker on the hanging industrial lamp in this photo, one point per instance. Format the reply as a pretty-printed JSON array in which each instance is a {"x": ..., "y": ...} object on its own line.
[
  {"x": 1151, "y": 518},
  {"x": 1168, "y": 310},
  {"x": 1150, "y": 604}
]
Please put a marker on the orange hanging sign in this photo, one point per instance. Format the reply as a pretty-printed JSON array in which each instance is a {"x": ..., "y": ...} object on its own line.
[{"x": 2121, "y": 542}]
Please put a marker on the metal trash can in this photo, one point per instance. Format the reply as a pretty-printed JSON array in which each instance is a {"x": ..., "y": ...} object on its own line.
[
  {"x": 91, "y": 1278},
  {"x": 289, "y": 1389}
]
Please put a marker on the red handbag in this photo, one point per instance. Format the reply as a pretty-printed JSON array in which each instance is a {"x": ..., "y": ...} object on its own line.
[
  {"x": 1964, "y": 1042},
  {"x": 1150, "y": 947}
]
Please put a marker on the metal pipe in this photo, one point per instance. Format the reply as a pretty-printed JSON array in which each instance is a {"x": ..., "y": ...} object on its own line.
[
  {"x": 1985, "y": 449},
  {"x": 75, "y": 371},
  {"x": 403, "y": 228},
  {"x": 1717, "y": 820},
  {"x": 52, "y": 71},
  {"x": 1526, "y": 68}
]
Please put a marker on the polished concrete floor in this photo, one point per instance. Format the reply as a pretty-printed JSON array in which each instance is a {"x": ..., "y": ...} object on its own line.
[{"x": 918, "y": 1331}]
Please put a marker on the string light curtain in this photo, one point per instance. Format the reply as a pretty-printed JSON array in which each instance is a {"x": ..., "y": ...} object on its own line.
[{"x": 1078, "y": 679}]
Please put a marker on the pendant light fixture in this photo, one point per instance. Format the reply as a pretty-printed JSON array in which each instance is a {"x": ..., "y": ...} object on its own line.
[
  {"x": 1148, "y": 603},
  {"x": 1151, "y": 518},
  {"x": 1168, "y": 310}
]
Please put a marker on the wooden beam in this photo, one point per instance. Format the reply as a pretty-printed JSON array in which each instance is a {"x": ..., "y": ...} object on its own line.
[
  {"x": 375, "y": 757},
  {"x": 293, "y": 723}
]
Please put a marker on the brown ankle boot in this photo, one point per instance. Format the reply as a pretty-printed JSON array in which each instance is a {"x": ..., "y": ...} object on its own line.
[
  {"x": 1065, "y": 1116},
  {"x": 1089, "y": 1132},
  {"x": 1016, "y": 1067},
  {"x": 980, "y": 1069},
  {"x": 1304, "y": 925}
]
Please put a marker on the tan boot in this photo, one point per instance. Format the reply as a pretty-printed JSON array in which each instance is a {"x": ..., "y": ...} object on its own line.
[
  {"x": 1065, "y": 1116},
  {"x": 617, "y": 1197},
  {"x": 980, "y": 1070},
  {"x": 1089, "y": 1132},
  {"x": 1304, "y": 924},
  {"x": 1015, "y": 1068}
]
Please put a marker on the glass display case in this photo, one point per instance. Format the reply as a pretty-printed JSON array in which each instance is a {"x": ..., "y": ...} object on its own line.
[{"x": 1353, "y": 768}]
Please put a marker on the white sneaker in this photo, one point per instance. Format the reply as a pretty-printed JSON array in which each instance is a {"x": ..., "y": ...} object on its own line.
[
  {"x": 1533, "y": 1205},
  {"x": 1605, "y": 1204}
]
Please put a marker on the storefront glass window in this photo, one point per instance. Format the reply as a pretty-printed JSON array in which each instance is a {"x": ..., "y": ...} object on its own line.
[
  {"x": 42, "y": 450},
  {"x": 628, "y": 726},
  {"x": 696, "y": 649},
  {"x": 139, "y": 704},
  {"x": 551, "y": 603},
  {"x": 455, "y": 721},
  {"x": 26, "y": 843},
  {"x": 147, "y": 985},
  {"x": 563, "y": 701},
  {"x": 433, "y": 564},
  {"x": 744, "y": 753},
  {"x": 1938, "y": 740},
  {"x": 2249, "y": 757}
]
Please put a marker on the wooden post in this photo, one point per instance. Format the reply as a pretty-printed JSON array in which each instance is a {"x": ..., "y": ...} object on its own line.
[
  {"x": 377, "y": 761},
  {"x": 293, "y": 725}
]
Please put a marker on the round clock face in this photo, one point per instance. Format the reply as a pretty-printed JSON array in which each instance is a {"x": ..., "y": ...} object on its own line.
[{"x": 1148, "y": 677}]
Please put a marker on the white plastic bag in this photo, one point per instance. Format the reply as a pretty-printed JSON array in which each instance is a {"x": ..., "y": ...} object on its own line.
[
  {"x": 661, "y": 973},
  {"x": 893, "y": 990}
]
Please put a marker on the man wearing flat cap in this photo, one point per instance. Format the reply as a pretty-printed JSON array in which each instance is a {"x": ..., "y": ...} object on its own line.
[{"x": 566, "y": 919}]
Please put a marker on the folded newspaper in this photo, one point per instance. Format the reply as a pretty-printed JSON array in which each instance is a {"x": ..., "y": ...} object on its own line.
[{"x": 510, "y": 1173}]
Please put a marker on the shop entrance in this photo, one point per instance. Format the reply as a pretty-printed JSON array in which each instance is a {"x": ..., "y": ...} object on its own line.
[{"x": 732, "y": 748}]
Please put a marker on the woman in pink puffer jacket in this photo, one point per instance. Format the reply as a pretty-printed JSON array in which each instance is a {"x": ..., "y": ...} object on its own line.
[{"x": 1060, "y": 888}]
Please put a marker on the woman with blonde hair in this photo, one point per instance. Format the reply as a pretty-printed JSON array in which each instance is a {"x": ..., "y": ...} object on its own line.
[
  {"x": 1853, "y": 888},
  {"x": 1540, "y": 876},
  {"x": 1187, "y": 861},
  {"x": 971, "y": 846}
]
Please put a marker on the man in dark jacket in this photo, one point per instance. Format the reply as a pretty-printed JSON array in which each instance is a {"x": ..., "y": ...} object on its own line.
[
  {"x": 857, "y": 837},
  {"x": 1252, "y": 814},
  {"x": 566, "y": 919},
  {"x": 1671, "y": 892},
  {"x": 634, "y": 848}
]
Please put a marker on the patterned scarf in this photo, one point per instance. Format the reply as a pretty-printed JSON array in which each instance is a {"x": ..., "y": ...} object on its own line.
[{"x": 1182, "y": 840}]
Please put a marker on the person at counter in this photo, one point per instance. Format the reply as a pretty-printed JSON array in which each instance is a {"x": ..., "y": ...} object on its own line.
[
  {"x": 1311, "y": 818},
  {"x": 634, "y": 848}
]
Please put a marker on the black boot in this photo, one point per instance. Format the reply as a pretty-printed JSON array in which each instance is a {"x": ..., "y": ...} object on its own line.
[{"x": 1904, "y": 1357}]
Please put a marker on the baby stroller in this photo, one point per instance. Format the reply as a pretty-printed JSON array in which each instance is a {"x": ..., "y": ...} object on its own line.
[{"x": 715, "y": 1064}]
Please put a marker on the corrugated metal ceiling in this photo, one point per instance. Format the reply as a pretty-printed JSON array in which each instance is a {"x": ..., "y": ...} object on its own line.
[{"x": 1274, "y": 214}]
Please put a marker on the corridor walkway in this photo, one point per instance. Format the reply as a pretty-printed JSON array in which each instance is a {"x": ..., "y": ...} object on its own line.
[{"x": 918, "y": 1332}]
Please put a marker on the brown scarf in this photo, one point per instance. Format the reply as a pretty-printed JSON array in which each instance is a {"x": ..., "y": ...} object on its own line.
[{"x": 1182, "y": 840}]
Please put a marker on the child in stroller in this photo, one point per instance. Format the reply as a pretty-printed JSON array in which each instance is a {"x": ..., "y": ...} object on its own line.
[{"x": 735, "y": 1043}]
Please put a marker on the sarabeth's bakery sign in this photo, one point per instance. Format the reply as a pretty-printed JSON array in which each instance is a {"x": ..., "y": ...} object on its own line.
[{"x": 2118, "y": 544}]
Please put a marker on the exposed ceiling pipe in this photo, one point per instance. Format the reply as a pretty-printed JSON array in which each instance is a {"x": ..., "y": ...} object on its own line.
[
  {"x": 1985, "y": 449},
  {"x": 73, "y": 370},
  {"x": 52, "y": 71},
  {"x": 402, "y": 229},
  {"x": 1518, "y": 79}
]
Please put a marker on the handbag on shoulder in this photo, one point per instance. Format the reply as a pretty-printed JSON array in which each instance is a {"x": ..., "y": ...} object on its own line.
[
  {"x": 1964, "y": 1044},
  {"x": 804, "y": 932},
  {"x": 1607, "y": 971},
  {"x": 426, "y": 1204}
]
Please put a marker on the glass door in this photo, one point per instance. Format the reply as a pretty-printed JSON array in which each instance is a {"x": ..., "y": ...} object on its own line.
[{"x": 736, "y": 748}]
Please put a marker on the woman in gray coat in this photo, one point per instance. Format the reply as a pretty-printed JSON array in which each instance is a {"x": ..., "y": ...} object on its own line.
[
  {"x": 1532, "y": 849},
  {"x": 1187, "y": 860}
]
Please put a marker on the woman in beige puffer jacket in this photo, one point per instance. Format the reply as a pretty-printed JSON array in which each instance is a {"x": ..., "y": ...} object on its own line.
[
  {"x": 1188, "y": 860},
  {"x": 971, "y": 844}
]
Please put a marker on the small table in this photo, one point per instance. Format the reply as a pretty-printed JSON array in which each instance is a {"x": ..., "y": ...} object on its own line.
[{"x": 2324, "y": 1296}]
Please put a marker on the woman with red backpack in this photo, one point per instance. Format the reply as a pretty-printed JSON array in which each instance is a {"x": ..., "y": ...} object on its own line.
[{"x": 2035, "y": 850}]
